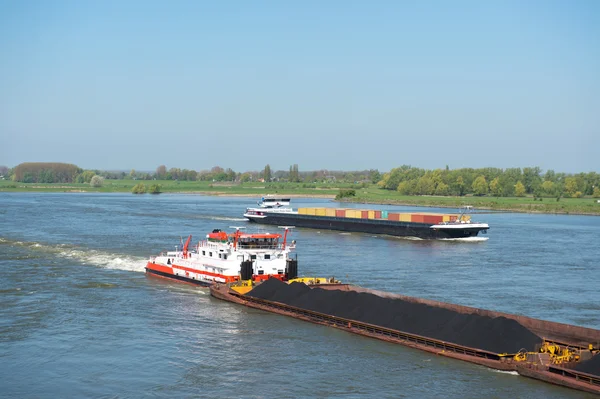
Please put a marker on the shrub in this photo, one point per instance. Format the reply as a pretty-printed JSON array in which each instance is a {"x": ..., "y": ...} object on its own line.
[
  {"x": 345, "y": 193},
  {"x": 139, "y": 188},
  {"x": 97, "y": 181},
  {"x": 154, "y": 189}
]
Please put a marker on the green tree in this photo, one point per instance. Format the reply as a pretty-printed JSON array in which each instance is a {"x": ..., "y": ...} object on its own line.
[
  {"x": 425, "y": 186},
  {"x": 495, "y": 187},
  {"x": 519, "y": 189},
  {"x": 596, "y": 192},
  {"x": 459, "y": 186},
  {"x": 132, "y": 174},
  {"x": 139, "y": 188},
  {"x": 480, "y": 186},
  {"x": 442, "y": 189},
  {"x": 155, "y": 189},
  {"x": 267, "y": 173},
  {"x": 548, "y": 187},
  {"x": 570, "y": 186}
]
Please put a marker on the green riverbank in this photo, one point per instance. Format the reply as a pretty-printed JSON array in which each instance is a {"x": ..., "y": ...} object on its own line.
[{"x": 365, "y": 194}]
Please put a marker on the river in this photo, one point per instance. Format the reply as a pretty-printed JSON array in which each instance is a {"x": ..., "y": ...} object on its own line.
[{"x": 79, "y": 317}]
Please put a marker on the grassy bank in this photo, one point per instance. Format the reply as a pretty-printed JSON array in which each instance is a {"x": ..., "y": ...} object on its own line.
[{"x": 370, "y": 194}]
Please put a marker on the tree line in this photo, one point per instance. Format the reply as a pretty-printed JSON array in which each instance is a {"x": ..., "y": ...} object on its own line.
[
  {"x": 405, "y": 179},
  {"x": 495, "y": 182}
]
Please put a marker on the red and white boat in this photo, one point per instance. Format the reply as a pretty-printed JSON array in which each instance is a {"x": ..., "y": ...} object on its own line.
[{"x": 224, "y": 258}]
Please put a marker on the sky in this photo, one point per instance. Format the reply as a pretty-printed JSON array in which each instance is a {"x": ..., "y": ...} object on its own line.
[{"x": 337, "y": 85}]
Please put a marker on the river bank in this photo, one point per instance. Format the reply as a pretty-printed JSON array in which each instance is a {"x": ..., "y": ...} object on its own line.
[{"x": 367, "y": 195}]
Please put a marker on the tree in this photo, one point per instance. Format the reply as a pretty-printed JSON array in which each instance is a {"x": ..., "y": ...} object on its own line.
[
  {"x": 155, "y": 189},
  {"x": 442, "y": 189},
  {"x": 570, "y": 186},
  {"x": 267, "y": 173},
  {"x": 596, "y": 192},
  {"x": 495, "y": 187},
  {"x": 425, "y": 186},
  {"x": 374, "y": 176},
  {"x": 161, "y": 172},
  {"x": 97, "y": 181},
  {"x": 548, "y": 188},
  {"x": 459, "y": 186},
  {"x": 132, "y": 174},
  {"x": 139, "y": 188},
  {"x": 480, "y": 186},
  {"x": 519, "y": 189}
]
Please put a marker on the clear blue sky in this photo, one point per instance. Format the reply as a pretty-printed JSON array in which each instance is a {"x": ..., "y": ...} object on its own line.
[{"x": 339, "y": 85}]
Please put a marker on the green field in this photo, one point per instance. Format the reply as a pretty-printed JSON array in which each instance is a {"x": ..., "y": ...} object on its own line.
[{"x": 370, "y": 194}]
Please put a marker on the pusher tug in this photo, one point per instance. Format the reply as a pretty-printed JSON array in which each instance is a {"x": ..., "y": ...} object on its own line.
[{"x": 225, "y": 258}]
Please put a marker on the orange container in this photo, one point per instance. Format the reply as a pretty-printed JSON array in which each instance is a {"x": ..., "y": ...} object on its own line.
[
  {"x": 340, "y": 213},
  {"x": 394, "y": 216},
  {"x": 364, "y": 214},
  {"x": 417, "y": 218},
  {"x": 377, "y": 214}
]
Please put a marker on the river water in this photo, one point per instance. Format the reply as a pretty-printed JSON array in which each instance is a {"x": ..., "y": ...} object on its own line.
[{"x": 79, "y": 318}]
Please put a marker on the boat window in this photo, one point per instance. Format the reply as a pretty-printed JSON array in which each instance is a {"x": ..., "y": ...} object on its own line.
[
  {"x": 210, "y": 254},
  {"x": 261, "y": 272},
  {"x": 204, "y": 253},
  {"x": 267, "y": 256},
  {"x": 219, "y": 256},
  {"x": 224, "y": 256},
  {"x": 252, "y": 257}
]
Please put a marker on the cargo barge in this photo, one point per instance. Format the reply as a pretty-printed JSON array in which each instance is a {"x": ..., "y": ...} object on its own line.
[
  {"x": 419, "y": 225},
  {"x": 554, "y": 352}
]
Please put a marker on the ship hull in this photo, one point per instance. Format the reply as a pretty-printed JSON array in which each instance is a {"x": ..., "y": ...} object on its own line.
[{"x": 369, "y": 226}]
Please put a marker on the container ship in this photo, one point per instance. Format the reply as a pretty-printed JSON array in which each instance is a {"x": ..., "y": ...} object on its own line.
[
  {"x": 557, "y": 353},
  {"x": 419, "y": 225}
]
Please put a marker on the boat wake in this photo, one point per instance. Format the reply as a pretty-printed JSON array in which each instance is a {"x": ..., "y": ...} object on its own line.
[
  {"x": 93, "y": 257},
  {"x": 225, "y": 218},
  {"x": 466, "y": 239},
  {"x": 504, "y": 372}
]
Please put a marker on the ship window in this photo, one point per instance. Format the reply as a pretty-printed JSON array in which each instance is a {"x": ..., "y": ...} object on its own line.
[
  {"x": 204, "y": 253},
  {"x": 252, "y": 257},
  {"x": 279, "y": 271},
  {"x": 267, "y": 256},
  {"x": 224, "y": 256},
  {"x": 261, "y": 272},
  {"x": 210, "y": 254}
]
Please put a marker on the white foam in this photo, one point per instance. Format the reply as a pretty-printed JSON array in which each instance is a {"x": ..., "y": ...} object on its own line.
[
  {"x": 504, "y": 372},
  {"x": 466, "y": 239},
  {"x": 226, "y": 219},
  {"x": 106, "y": 260}
]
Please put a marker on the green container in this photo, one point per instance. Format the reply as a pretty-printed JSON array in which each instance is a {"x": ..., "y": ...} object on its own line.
[{"x": 384, "y": 214}]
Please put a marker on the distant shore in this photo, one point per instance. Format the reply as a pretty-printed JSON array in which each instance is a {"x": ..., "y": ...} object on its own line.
[{"x": 363, "y": 195}]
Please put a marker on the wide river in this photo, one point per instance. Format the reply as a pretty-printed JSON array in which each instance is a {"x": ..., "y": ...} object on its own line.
[{"x": 79, "y": 318}]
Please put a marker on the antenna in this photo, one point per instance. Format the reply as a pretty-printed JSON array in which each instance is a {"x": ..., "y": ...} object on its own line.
[{"x": 237, "y": 227}]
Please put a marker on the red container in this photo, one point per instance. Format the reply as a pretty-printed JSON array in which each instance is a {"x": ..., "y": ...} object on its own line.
[
  {"x": 377, "y": 214},
  {"x": 433, "y": 219},
  {"x": 340, "y": 213},
  {"x": 417, "y": 218},
  {"x": 364, "y": 214},
  {"x": 394, "y": 216}
]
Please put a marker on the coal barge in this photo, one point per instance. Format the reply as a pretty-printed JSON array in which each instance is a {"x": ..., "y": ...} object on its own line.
[
  {"x": 419, "y": 225},
  {"x": 558, "y": 353}
]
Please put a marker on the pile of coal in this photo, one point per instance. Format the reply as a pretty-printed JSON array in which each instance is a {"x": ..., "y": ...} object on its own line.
[
  {"x": 590, "y": 366},
  {"x": 497, "y": 335}
]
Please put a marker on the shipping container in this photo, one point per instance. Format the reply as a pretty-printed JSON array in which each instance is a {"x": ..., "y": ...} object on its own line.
[
  {"x": 371, "y": 214},
  {"x": 405, "y": 217},
  {"x": 364, "y": 214},
  {"x": 417, "y": 218},
  {"x": 377, "y": 214},
  {"x": 432, "y": 219},
  {"x": 311, "y": 211},
  {"x": 384, "y": 214},
  {"x": 394, "y": 216},
  {"x": 340, "y": 213},
  {"x": 319, "y": 211}
]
